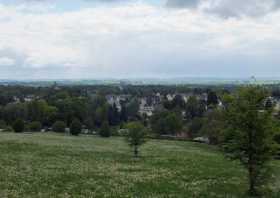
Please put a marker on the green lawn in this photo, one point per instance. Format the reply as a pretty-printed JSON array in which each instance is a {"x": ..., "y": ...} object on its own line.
[{"x": 52, "y": 165}]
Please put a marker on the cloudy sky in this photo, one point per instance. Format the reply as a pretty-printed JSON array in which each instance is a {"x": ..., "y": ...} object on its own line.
[{"x": 139, "y": 38}]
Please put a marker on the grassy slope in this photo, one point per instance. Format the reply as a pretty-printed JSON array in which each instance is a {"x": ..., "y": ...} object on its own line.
[{"x": 50, "y": 165}]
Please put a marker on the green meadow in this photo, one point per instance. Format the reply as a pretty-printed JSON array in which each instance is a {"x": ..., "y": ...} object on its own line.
[{"x": 55, "y": 165}]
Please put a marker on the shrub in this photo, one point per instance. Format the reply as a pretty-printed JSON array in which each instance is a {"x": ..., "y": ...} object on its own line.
[
  {"x": 277, "y": 138},
  {"x": 35, "y": 126},
  {"x": 105, "y": 130},
  {"x": 75, "y": 127},
  {"x": 8, "y": 129},
  {"x": 59, "y": 126},
  {"x": 18, "y": 126},
  {"x": 2, "y": 124}
]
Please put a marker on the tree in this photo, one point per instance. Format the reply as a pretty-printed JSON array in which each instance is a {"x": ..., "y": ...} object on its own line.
[
  {"x": 101, "y": 115},
  {"x": 194, "y": 108},
  {"x": 213, "y": 126},
  {"x": 18, "y": 126},
  {"x": 166, "y": 123},
  {"x": 105, "y": 130},
  {"x": 195, "y": 126},
  {"x": 59, "y": 126},
  {"x": 75, "y": 127},
  {"x": 132, "y": 109},
  {"x": 113, "y": 115},
  {"x": 35, "y": 126},
  {"x": 135, "y": 136},
  {"x": 123, "y": 114},
  {"x": 212, "y": 98},
  {"x": 250, "y": 133}
]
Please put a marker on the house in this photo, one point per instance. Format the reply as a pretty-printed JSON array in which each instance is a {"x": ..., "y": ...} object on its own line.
[{"x": 146, "y": 107}]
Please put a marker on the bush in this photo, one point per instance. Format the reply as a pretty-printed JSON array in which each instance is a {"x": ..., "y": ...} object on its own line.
[
  {"x": 277, "y": 138},
  {"x": 8, "y": 129},
  {"x": 76, "y": 127},
  {"x": 35, "y": 126},
  {"x": 59, "y": 126},
  {"x": 2, "y": 124},
  {"x": 18, "y": 126},
  {"x": 105, "y": 130}
]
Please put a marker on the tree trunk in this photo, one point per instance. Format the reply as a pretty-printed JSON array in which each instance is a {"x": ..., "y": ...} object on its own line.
[
  {"x": 252, "y": 179},
  {"x": 251, "y": 167},
  {"x": 135, "y": 151}
]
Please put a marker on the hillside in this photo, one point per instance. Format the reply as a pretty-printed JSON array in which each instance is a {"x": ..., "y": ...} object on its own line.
[{"x": 53, "y": 165}]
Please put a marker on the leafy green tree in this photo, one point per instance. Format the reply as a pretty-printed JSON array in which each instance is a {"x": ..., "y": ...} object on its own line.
[
  {"x": 212, "y": 98},
  {"x": 105, "y": 130},
  {"x": 250, "y": 133},
  {"x": 101, "y": 115},
  {"x": 113, "y": 115},
  {"x": 59, "y": 126},
  {"x": 75, "y": 127},
  {"x": 18, "y": 126},
  {"x": 166, "y": 123},
  {"x": 135, "y": 136},
  {"x": 194, "y": 108},
  {"x": 123, "y": 114},
  {"x": 194, "y": 126},
  {"x": 132, "y": 109},
  {"x": 213, "y": 126},
  {"x": 35, "y": 126}
]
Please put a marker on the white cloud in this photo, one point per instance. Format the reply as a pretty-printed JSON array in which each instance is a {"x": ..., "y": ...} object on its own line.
[
  {"x": 137, "y": 39},
  {"x": 4, "y": 61}
]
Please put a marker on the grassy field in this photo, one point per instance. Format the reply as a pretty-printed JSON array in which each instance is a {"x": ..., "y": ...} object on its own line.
[{"x": 52, "y": 165}]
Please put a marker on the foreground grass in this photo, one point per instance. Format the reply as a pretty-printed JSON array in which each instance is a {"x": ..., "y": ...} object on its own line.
[{"x": 52, "y": 165}]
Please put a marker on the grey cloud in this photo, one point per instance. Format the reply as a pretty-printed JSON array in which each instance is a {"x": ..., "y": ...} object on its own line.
[
  {"x": 182, "y": 3},
  {"x": 229, "y": 8}
]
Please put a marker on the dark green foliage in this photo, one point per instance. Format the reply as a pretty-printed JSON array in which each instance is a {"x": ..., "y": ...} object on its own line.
[
  {"x": 8, "y": 129},
  {"x": 101, "y": 114},
  {"x": 213, "y": 126},
  {"x": 113, "y": 115},
  {"x": 212, "y": 98},
  {"x": 166, "y": 123},
  {"x": 75, "y": 127},
  {"x": 123, "y": 114},
  {"x": 178, "y": 102},
  {"x": 277, "y": 138},
  {"x": 135, "y": 136},
  {"x": 35, "y": 126},
  {"x": 89, "y": 123},
  {"x": 18, "y": 126},
  {"x": 59, "y": 126},
  {"x": 194, "y": 108},
  {"x": 195, "y": 126},
  {"x": 2, "y": 124},
  {"x": 250, "y": 134},
  {"x": 105, "y": 130},
  {"x": 132, "y": 109}
]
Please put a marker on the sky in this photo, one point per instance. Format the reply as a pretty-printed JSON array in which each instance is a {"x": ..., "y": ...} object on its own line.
[{"x": 69, "y": 39}]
